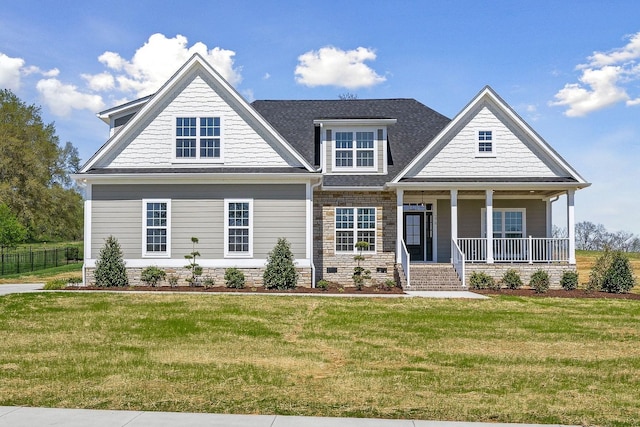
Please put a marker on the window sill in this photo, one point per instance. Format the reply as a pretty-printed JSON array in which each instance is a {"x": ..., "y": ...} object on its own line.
[{"x": 195, "y": 160}]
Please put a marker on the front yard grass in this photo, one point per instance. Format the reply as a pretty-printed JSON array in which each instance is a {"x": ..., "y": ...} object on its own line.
[{"x": 506, "y": 359}]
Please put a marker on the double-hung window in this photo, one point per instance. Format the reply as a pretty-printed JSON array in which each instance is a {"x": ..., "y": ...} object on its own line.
[
  {"x": 485, "y": 143},
  {"x": 355, "y": 150},
  {"x": 198, "y": 138},
  {"x": 156, "y": 227},
  {"x": 354, "y": 225},
  {"x": 238, "y": 228}
]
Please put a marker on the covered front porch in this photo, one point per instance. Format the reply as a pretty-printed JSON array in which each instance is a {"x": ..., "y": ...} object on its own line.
[{"x": 503, "y": 225}]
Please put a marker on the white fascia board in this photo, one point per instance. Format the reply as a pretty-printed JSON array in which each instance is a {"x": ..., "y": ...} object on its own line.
[
  {"x": 346, "y": 188},
  {"x": 435, "y": 186},
  {"x": 190, "y": 178},
  {"x": 122, "y": 109},
  {"x": 355, "y": 122},
  {"x": 206, "y": 263}
]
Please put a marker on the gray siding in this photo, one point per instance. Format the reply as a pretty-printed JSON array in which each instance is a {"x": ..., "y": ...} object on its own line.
[
  {"x": 444, "y": 231},
  {"x": 198, "y": 210}
]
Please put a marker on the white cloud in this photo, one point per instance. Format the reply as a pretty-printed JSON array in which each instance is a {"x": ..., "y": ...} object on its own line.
[
  {"x": 157, "y": 60},
  {"x": 10, "y": 72},
  {"x": 32, "y": 69},
  {"x": 330, "y": 66},
  {"x": 100, "y": 82},
  {"x": 604, "y": 81},
  {"x": 62, "y": 98}
]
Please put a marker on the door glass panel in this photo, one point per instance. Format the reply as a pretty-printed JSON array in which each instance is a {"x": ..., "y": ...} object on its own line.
[{"x": 413, "y": 230}]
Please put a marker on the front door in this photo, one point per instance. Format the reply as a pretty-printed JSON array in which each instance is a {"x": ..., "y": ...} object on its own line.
[{"x": 414, "y": 235}]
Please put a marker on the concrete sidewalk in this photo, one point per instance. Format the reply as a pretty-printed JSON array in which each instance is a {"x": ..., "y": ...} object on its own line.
[{"x": 23, "y": 417}]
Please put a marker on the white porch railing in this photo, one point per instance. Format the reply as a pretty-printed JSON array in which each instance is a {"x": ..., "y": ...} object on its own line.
[
  {"x": 405, "y": 261},
  {"x": 457, "y": 259},
  {"x": 527, "y": 249}
]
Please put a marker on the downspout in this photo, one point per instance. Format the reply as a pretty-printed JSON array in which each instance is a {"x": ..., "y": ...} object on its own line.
[{"x": 313, "y": 266}]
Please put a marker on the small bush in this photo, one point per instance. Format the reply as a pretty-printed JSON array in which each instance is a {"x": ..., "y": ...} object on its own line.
[
  {"x": 540, "y": 281},
  {"x": 173, "y": 280},
  {"x": 512, "y": 279},
  {"x": 481, "y": 280},
  {"x": 110, "y": 270},
  {"x": 209, "y": 282},
  {"x": 322, "y": 284},
  {"x": 569, "y": 280},
  {"x": 598, "y": 271},
  {"x": 387, "y": 285},
  {"x": 234, "y": 278},
  {"x": 55, "y": 285},
  {"x": 152, "y": 275},
  {"x": 281, "y": 269},
  {"x": 618, "y": 277}
]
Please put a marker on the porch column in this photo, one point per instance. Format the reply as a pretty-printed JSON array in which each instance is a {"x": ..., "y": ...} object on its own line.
[
  {"x": 454, "y": 218},
  {"x": 571, "y": 225},
  {"x": 399, "y": 224},
  {"x": 489, "y": 223},
  {"x": 549, "y": 218}
]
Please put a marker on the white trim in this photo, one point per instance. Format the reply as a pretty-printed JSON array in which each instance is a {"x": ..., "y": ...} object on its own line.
[
  {"x": 486, "y": 154},
  {"x": 227, "y": 253},
  {"x": 399, "y": 224},
  {"x": 454, "y": 218},
  {"x": 355, "y": 230},
  {"x": 489, "y": 224},
  {"x": 146, "y": 254},
  {"x": 205, "y": 263},
  {"x": 197, "y": 178},
  {"x": 355, "y": 122},
  {"x": 571, "y": 225},
  {"x": 88, "y": 206}
]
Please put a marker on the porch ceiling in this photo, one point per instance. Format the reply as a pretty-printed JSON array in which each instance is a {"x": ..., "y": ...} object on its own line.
[{"x": 538, "y": 193}]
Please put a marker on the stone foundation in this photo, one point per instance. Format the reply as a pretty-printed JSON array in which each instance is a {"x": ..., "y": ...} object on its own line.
[
  {"x": 525, "y": 271},
  {"x": 252, "y": 276}
]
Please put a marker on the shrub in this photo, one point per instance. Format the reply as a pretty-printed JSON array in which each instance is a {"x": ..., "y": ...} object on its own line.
[
  {"x": 173, "y": 280},
  {"x": 512, "y": 279},
  {"x": 234, "y": 278},
  {"x": 481, "y": 280},
  {"x": 618, "y": 277},
  {"x": 54, "y": 285},
  {"x": 322, "y": 284},
  {"x": 152, "y": 275},
  {"x": 209, "y": 282},
  {"x": 74, "y": 280},
  {"x": 360, "y": 273},
  {"x": 598, "y": 271},
  {"x": 569, "y": 280},
  {"x": 193, "y": 266},
  {"x": 110, "y": 270},
  {"x": 540, "y": 281},
  {"x": 281, "y": 270}
]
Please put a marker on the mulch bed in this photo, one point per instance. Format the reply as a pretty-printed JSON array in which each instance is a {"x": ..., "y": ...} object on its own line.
[
  {"x": 556, "y": 293},
  {"x": 332, "y": 289}
]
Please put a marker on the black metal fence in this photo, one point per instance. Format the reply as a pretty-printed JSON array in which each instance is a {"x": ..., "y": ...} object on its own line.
[{"x": 23, "y": 261}]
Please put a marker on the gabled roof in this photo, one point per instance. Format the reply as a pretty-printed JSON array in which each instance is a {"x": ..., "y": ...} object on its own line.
[
  {"x": 416, "y": 125},
  {"x": 488, "y": 94},
  {"x": 148, "y": 106}
]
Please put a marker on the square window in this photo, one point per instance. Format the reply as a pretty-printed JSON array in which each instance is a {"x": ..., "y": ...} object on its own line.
[
  {"x": 203, "y": 144},
  {"x": 354, "y": 225},
  {"x": 355, "y": 150}
]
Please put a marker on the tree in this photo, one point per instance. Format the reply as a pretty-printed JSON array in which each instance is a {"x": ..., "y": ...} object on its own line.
[
  {"x": 281, "y": 270},
  {"x": 34, "y": 173},
  {"x": 110, "y": 269},
  {"x": 11, "y": 231}
]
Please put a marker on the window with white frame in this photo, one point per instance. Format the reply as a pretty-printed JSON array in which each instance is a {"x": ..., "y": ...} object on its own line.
[
  {"x": 157, "y": 232},
  {"x": 507, "y": 223},
  {"x": 354, "y": 225},
  {"x": 485, "y": 142},
  {"x": 355, "y": 150},
  {"x": 238, "y": 227},
  {"x": 198, "y": 138}
]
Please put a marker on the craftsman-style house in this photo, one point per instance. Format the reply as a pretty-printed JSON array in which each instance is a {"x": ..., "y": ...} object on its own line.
[{"x": 431, "y": 196}]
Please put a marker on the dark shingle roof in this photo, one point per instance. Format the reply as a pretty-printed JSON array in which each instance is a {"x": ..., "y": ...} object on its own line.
[{"x": 416, "y": 126}]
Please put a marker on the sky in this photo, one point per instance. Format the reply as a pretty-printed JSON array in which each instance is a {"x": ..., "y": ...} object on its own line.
[{"x": 570, "y": 68}]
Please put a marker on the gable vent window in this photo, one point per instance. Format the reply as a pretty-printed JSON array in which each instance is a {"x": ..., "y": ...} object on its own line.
[
  {"x": 198, "y": 138},
  {"x": 485, "y": 142}
]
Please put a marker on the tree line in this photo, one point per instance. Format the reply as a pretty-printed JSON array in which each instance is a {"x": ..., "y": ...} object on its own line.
[
  {"x": 592, "y": 237},
  {"x": 38, "y": 199}
]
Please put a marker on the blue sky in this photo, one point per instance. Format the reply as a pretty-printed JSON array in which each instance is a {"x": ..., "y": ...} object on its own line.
[{"x": 569, "y": 68}]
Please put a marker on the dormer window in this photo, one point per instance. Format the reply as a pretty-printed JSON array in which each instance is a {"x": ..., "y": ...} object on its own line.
[
  {"x": 355, "y": 145},
  {"x": 485, "y": 143},
  {"x": 198, "y": 138}
]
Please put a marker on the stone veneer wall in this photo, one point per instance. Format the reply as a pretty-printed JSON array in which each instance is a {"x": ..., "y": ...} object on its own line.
[
  {"x": 496, "y": 271},
  {"x": 324, "y": 256},
  {"x": 252, "y": 276}
]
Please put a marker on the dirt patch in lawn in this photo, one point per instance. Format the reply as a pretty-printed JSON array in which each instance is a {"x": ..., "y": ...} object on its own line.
[
  {"x": 332, "y": 289},
  {"x": 556, "y": 293}
]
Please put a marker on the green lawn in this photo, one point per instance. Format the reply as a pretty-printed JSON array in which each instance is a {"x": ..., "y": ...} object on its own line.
[{"x": 537, "y": 360}]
